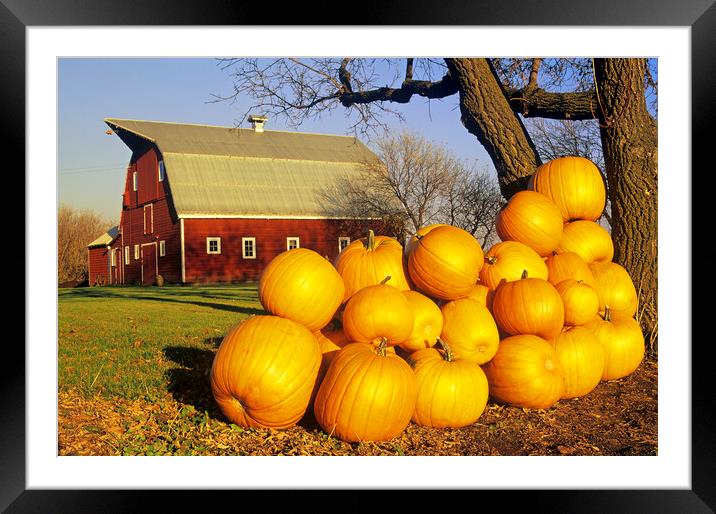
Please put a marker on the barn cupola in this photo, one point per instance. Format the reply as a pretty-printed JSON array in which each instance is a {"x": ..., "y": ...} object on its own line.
[{"x": 257, "y": 122}]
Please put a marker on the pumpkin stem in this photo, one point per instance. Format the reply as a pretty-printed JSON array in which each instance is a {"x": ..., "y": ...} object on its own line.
[
  {"x": 524, "y": 274},
  {"x": 385, "y": 280},
  {"x": 491, "y": 259},
  {"x": 371, "y": 240},
  {"x": 448, "y": 352},
  {"x": 607, "y": 314},
  {"x": 382, "y": 347}
]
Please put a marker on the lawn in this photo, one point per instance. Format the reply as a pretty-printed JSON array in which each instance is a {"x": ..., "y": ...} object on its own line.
[{"x": 133, "y": 368}]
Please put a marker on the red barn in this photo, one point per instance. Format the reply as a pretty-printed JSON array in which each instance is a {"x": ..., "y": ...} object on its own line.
[
  {"x": 104, "y": 259},
  {"x": 207, "y": 204}
]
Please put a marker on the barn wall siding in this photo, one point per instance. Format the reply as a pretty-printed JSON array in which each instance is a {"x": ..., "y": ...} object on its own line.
[{"x": 98, "y": 265}]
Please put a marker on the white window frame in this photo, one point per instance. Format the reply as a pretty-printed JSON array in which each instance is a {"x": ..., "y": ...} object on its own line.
[
  {"x": 340, "y": 240},
  {"x": 210, "y": 240},
  {"x": 113, "y": 257},
  {"x": 151, "y": 218},
  {"x": 290, "y": 239},
  {"x": 135, "y": 181},
  {"x": 126, "y": 254},
  {"x": 245, "y": 240},
  {"x": 162, "y": 248},
  {"x": 136, "y": 252},
  {"x": 161, "y": 171}
]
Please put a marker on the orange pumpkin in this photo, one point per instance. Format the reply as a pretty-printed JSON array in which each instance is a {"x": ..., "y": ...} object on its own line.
[
  {"x": 528, "y": 306},
  {"x": 367, "y": 261},
  {"x": 587, "y": 239},
  {"x": 420, "y": 233},
  {"x": 483, "y": 294},
  {"x": 574, "y": 184},
  {"x": 525, "y": 372},
  {"x": 451, "y": 392},
  {"x": 582, "y": 358},
  {"x": 366, "y": 395},
  {"x": 470, "y": 330},
  {"x": 507, "y": 260},
  {"x": 533, "y": 219},
  {"x": 301, "y": 285},
  {"x": 566, "y": 265},
  {"x": 615, "y": 289},
  {"x": 623, "y": 343},
  {"x": 581, "y": 301},
  {"x": 445, "y": 263},
  {"x": 378, "y": 312},
  {"x": 427, "y": 322},
  {"x": 264, "y": 372}
]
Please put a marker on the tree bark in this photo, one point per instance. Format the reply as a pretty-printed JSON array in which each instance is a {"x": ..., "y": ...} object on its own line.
[
  {"x": 629, "y": 142},
  {"x": 487, "y": 114}
]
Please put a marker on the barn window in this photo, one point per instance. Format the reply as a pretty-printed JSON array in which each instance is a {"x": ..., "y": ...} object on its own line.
[
  {"x": 162, "y": 248},
  {"x": 126, "y": 254},
  {"x": 292, "y": 242},
  {"x": 136, "y": 252},
  {"x": 248, "y": 247},
  {"x": 134, "y": 181},
  {"x": 343, "y": 242},
  {"x": 161, "y": 171},
  {"x": 149, "y": 218},
  {"x": 113, "y": 258},
  {"x": 213, "y": 245}
]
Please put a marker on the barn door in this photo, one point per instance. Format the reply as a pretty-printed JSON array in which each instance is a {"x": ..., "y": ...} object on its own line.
[{"x": 149, "y": 264}]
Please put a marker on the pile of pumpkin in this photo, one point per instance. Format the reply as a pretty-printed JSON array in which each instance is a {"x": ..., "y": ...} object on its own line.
[{"x": 386, "y": 335}]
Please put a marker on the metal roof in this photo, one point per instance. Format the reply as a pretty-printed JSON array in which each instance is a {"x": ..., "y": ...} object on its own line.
[
  {"x": 226, "y": 171},
  {"x": 105, "y": 238}
]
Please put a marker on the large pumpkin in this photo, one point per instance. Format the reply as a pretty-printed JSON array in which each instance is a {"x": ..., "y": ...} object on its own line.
[
  {"x": 525, "y": 372},
  {"x": 507, "y": 261},
  {"x": 367, "y": 261},
  {"x": 581, "y": 301},
  {"x": 378, "y": 312},
  {"x": 366, "y": 395},
  {"x": 615, "y": 289},
  {"x": 420, "y": 233},
  {"x": 445, "y": 263},
  {"x": 528, "y": 306},
  {"x": 301, "y": 285},
  {"x": 427, "y": 322},
  {"x": 623, "y": 343},
  {"x": 587, "y": 239},
  {"x": 563, "y": 266},
  {"x": 533, "y": 219},
  {"x": 451, "y": 392},
  {"x": 582, "y": 358},
  {"x": 470, "y": 330},
  {"x": 574, "y": 184},
  {"x": 264, "y": 372}
]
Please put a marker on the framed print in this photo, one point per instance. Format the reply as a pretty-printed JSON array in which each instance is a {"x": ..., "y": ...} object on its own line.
[{"x": 674, "y": 474}]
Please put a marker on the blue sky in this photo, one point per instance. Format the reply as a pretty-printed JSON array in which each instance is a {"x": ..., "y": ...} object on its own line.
[{"x": 91, "y": 164}]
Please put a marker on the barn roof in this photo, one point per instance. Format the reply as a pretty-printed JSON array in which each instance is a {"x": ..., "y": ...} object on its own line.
[
  {"x": 228, "y": 171},
  {"x": 105, "y": 238}
]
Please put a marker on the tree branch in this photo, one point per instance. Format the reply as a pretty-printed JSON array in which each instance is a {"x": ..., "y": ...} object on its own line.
[
  {"x": 538, "y": 103},
  {"x": 440, "y": 89}
]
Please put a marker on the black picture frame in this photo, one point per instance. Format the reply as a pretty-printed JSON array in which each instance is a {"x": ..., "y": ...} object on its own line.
[{"x": 700, "y": 15}]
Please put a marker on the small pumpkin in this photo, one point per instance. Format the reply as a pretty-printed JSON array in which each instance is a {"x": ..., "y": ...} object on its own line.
[
  {"x": 507, "y": 260},
  {"x": 264, "y": 372},
  {"x": 581, "y": 301},
  {"x": 562, "y": 266},
  {"x": 574, "y": 184},
  {"x": 533, "y": 219},
  {"x": 587, "y": 239},
  {"x": 483, "y": 294},
  {"x": 615, "y": 289},
  {"x": 582, "y": 358},
  {"x": 427, "y": 322},
  {"x": 470, "y": 330},
  {"x": 623, "y": 343},
  {"x": 367, "y": 261},
  {"x": 301, "y": 285},
  {"x": 451, "y": 392},
  {"x": 525, "y": 372},
  {"x": 367, "y": 394},
  {"x": 445, "y": 263},
  {"x": 376, "y": 313},
  {"x": 528, "y": 306}
]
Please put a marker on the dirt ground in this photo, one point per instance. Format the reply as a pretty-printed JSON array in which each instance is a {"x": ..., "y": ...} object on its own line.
[{"x": 619, "y": 417}]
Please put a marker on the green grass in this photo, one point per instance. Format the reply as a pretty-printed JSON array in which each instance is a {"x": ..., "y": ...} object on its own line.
[{"x": 144, "y": 341}]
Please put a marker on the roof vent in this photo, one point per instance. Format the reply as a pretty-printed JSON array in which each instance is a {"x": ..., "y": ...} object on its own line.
[{"x": 257, "y": 122}]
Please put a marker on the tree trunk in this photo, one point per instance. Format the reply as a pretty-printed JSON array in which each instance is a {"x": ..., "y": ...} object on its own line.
[
  {"x": 486, "y": 113},
  {"x": 629, "y": 142}
]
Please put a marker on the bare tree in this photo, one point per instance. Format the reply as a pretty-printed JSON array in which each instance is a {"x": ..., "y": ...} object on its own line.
[{"x": 75, "y": 230}]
